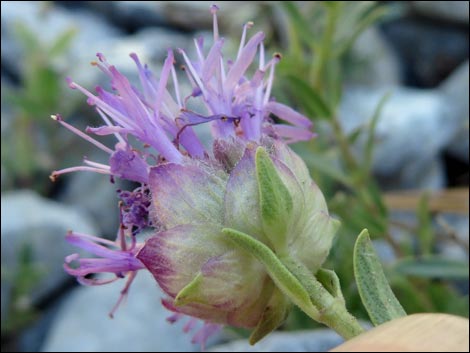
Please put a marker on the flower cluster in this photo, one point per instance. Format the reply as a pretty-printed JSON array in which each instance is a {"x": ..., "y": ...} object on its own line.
[{"x": 247, "y": 180}]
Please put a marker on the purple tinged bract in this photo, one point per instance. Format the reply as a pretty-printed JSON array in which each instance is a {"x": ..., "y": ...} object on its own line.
[{"x": 188, "y": 192}]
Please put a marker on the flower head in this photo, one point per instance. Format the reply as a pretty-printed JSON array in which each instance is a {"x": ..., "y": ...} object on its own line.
[{"x": 248, "y": 180}]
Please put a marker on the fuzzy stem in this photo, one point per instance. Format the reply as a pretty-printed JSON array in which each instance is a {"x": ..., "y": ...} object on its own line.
[{"x": 333, "y": 312}]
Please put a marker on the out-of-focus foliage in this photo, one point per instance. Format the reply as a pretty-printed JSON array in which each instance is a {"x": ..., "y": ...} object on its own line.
[
  {"x": 320, "y": 35},
  {"x": 23, "y": 280},
  {"x": 26, "y": 153}
]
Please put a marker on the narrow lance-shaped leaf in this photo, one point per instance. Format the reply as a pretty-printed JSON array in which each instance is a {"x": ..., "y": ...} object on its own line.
[
  {"x": 322, "y": 163},
  {"x": 425, "y": 232},
  {"x": 330, "y": 281},
  {"x": 280, "y": 275},
  {"x": 310, "y": 99},
  {"x": 275, "y": 200},
  {"x": 274, "y": 315},
  {"x": 369, "y": 147},
  {"x": 375, "y": 292},
  {"x": 432, "y": 266}
]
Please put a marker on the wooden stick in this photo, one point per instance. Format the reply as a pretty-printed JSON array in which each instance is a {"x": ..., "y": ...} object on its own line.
[
  {"x": 448, "y": 200},
  {"x": 414, "y": 333}
]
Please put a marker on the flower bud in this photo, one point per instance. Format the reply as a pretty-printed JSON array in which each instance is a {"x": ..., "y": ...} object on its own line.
[{"x": 267, "y": 195}]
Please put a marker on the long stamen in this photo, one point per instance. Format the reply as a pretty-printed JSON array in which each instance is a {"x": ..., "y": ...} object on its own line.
[
  {"x": 199, "y": 51},
  {"x": 175, "y": 83},
  {"x": 149, "y": 90},
  {"x": 246, "y": 26},
  {"x": 55, "y": 174},
  {"x": 276, "y": 59},
  {"x": 194, "y": 73},
  {"x": 115, "y": 114},
  {"x": 108, "y": 122},
  {"x": 96, "y": 165},
  {"x": 98, "y": 144},
  {"x": 261, "y": 56},
  {"x": 123, "y": 293},
  {"x": 214, "y": 9}
]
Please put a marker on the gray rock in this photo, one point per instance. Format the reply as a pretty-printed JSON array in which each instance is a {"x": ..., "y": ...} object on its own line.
[
  {"x": 445, "y": 225},
  {"x": 48, "y": 22},
  {"x": 425, "y": 173},
  {"x": 139, "y": 325},
  {"x": 29, "y": 220},
  {"x": 377, "y": 64},
  {"x": 150, "y": 44},
  {"x": 414, "y": 128},
  {"x": 384, "y": 251},
  {"x": 196, "y": 15},
  {"x": 456, "y": 89},
  {"x": 130, "y": 14},
  {"x": 320, "y": 340},
  {"x": 428, "y": 51},
  {"x": 455, "y": 11}
]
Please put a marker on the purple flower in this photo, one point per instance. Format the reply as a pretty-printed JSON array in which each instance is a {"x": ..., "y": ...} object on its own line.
[{"x": 188, "y": 193}]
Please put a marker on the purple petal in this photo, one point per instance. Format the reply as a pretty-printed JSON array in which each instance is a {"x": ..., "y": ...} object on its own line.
[
  {"x": 107, "y": 130},
  {"x": 204, "y": 333},
  {"x": 129, "y": 165},
  {"x": 292, "y": 134},
  {"x": 243, "y": 62},
  {"x": 212, "y": 61},
  {"x": 288, "y": 114}
]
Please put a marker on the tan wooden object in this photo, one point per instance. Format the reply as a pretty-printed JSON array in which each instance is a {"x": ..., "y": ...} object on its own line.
[
  {"x": 448, "y": 200},
  {"x": 414, "y": 333}
]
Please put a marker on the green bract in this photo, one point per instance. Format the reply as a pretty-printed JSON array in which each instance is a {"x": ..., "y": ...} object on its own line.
[{"x": 226, "y": 225}]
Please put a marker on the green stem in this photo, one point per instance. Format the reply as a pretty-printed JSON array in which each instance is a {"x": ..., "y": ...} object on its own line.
[
  {"x": 323, "y": 55},
  {"x": 333, "y": 312},
  {"x": 349, "y": 158}
]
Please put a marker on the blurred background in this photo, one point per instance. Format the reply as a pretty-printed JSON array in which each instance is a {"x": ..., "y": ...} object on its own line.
[{"x": 385, "y": 83}]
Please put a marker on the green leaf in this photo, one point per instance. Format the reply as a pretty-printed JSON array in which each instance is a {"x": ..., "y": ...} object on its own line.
[
  {"x": 334, "y": 82},
  {"x": 273, "y": 316},
  {"x": 377, "y": 199},
  {"x": 432, "y": 266},
  {"x": 62, "y": 43},
  {"x": 310, "y": 100},
  {"x": 275, "y": 200},
  {"x": 326, "y": 166},
  {"x": 369, "y": 147},
  {"x": 27, "y": 38},
  {"x": 192, "y": 292},
  {"x": 330, "y": 281},
  {"x": 354, "y": 134},
  {"x": 369, "y": 19},
  {"x": 425, "y": 231},
  {"x": 376, "y": 294},
  {"x": 44, "y": 89},
  {"x": 278, "y": 272},
  {"x": 298, "y": 23}
]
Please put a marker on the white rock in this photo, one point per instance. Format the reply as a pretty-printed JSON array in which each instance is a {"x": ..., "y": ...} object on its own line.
[
  {"x": 139, "y": 325},
  {"x": 379, "y": 64},
  {"x": 320, "y": 340},
  {"x": 414, "y": 128},
  {"x": 41, "y": 224},
  {"x": 48, "y": 22},
  {"x": 456, "y": 89}
]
